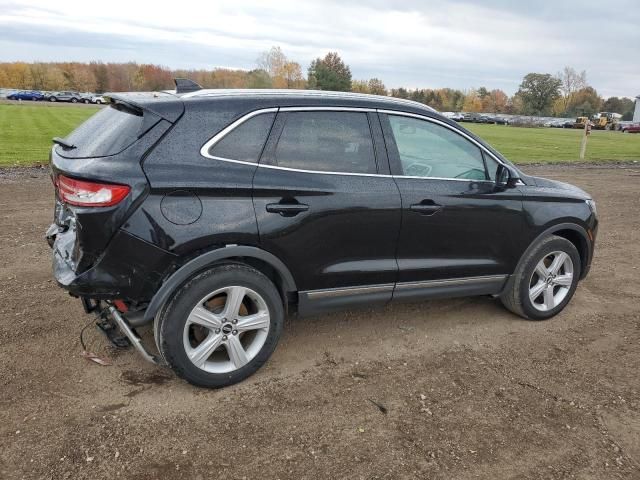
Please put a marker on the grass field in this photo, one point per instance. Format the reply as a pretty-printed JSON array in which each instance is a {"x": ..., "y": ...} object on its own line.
[
  {"x": 26, "y": 131},
  {"x": 550, "y": 145}
]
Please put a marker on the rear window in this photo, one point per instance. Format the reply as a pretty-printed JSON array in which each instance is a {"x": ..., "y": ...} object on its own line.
[{"x": 108, "y": 132}]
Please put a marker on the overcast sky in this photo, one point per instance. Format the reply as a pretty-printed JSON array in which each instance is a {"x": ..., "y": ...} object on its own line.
[{"x": 412, "y": 43}]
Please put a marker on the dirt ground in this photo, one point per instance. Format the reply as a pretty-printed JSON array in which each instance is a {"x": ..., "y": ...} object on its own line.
[{"x": 454, "y": 389}]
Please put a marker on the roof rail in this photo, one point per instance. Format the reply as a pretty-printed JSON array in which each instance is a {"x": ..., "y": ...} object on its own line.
[
  {"x": 214, "y": 92},
  {"x": 184, "y": 85}
]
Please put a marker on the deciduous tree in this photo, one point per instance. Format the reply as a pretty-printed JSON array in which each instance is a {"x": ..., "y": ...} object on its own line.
[
  {"x": 272, "y": 61},
  {"x": 376, "y": 87},
  {"x": 292, "y": 74},
  {"x": 570, "y": 82},
  {"x": 495, "y": 101},
  {"x": 258, "y": 78},
  {"x": 618, "y": 105},
  {"x": 360, "y": 86},
  {"x": 538, "y": 92},
  {"x": 585, "y": 101},
  {"x": 472, "y": 102}
]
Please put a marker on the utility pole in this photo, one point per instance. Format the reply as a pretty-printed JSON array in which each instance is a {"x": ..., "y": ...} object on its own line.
[{"x": 587, "y": 132}]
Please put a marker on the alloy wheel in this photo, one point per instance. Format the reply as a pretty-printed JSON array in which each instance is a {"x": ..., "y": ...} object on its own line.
[
  {"x": 226, "y": 329},
  {"x": 551, "y": 281}
]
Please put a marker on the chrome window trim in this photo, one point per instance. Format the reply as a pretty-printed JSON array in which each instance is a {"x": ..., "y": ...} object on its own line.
[
  {"x": 299, "y": 170},
  {"x": 204, "y": 151},
  {"x": 331, "y": 109}
]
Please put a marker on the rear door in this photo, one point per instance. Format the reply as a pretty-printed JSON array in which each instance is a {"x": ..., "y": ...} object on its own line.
[
  {"x": 459, "y": 232},
  {"x": 327, "y": 206}
]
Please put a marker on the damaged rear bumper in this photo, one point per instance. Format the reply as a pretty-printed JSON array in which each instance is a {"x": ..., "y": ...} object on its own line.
[{"x": 129, "y": 269}]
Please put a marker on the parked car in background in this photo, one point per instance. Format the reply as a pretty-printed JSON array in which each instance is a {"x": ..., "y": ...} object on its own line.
[
  {"x": 456, "y": 116},
  {"x": 32, "y": 95},
  {"x": 633, "y": 128},
  {"x": 210, "y": 214},
  {"x": 558, "y": 123},
  {"x": 88, "y": 97},
  {"x": 66, "y": 96}
]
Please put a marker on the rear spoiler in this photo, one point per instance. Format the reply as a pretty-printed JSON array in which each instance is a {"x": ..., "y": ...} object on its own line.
[{"x": 162, "y": 104}]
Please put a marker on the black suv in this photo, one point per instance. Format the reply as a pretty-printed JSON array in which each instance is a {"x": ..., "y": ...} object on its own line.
[{"x": 213, "y": 213}]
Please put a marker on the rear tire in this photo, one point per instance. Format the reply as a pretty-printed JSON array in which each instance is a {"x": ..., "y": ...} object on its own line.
[
  {"x": 545, "y": 280},
  {"x": 221, "y": 326}
]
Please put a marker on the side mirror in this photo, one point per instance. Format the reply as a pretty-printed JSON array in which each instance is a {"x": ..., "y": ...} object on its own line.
[{"x": 506, "y": 177}]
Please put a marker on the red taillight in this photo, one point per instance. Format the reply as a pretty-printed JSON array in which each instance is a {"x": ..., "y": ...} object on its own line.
[{"x": 89, "y": 194}]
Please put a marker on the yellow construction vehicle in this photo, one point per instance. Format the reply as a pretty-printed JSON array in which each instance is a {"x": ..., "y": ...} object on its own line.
[
  {"x": 581, "y": 122},
  {"x": 605, "y": 120}
]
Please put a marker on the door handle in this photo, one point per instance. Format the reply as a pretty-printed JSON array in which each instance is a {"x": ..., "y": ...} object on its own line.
[
  {"x": 287, "y": 209},
  {"x": 425, "y": 208}
]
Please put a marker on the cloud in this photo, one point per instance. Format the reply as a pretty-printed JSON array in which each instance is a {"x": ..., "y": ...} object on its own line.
[{"x": 415, "y": 43}]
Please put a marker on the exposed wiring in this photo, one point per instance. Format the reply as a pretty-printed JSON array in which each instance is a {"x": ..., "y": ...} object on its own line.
[{"x": 84, "y": 347}]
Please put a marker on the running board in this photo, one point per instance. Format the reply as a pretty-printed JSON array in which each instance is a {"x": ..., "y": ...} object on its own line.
[{"x": 316, "y": 301}]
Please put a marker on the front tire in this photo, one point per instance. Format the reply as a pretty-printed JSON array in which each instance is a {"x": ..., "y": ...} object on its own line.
[
  {"x": 221, "y": 326},
  {"x": 545, "y": 280}
]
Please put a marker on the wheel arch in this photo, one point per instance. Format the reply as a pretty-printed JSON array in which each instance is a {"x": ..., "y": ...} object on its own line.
[
  {"x": 579, "y": 240},
  {"x": 261, "y": 260},
  {"x": 573, "y": 232}
]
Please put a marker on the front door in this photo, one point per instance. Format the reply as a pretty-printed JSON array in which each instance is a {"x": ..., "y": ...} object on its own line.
[
  {"x": 324, "y": 208},
  {"x": 459, "y": 232}
]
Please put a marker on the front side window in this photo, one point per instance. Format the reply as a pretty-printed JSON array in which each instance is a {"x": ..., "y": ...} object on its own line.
[
  {"x": 326, "y": 142},
  {"x": 427, "y": 149},
  {"x": 245, "y": 142}
]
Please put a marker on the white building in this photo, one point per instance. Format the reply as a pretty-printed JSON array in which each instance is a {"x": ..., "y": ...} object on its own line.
[{"x": 636, "y": 113}]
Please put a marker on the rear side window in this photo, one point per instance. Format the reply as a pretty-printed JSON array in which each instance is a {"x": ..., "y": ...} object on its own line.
[
  {"x": 246, "y": 141},
  {"x": 108, "y": 132},
  {"x": 326, "y": 142}
]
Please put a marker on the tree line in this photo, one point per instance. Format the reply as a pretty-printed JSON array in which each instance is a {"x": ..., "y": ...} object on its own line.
[{"x": 565, "y": 94}]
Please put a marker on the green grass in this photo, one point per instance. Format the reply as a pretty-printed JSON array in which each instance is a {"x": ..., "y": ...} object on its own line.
[
  {"x": 26, "y": 130},
  {"x": 551, "y": 145}
]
